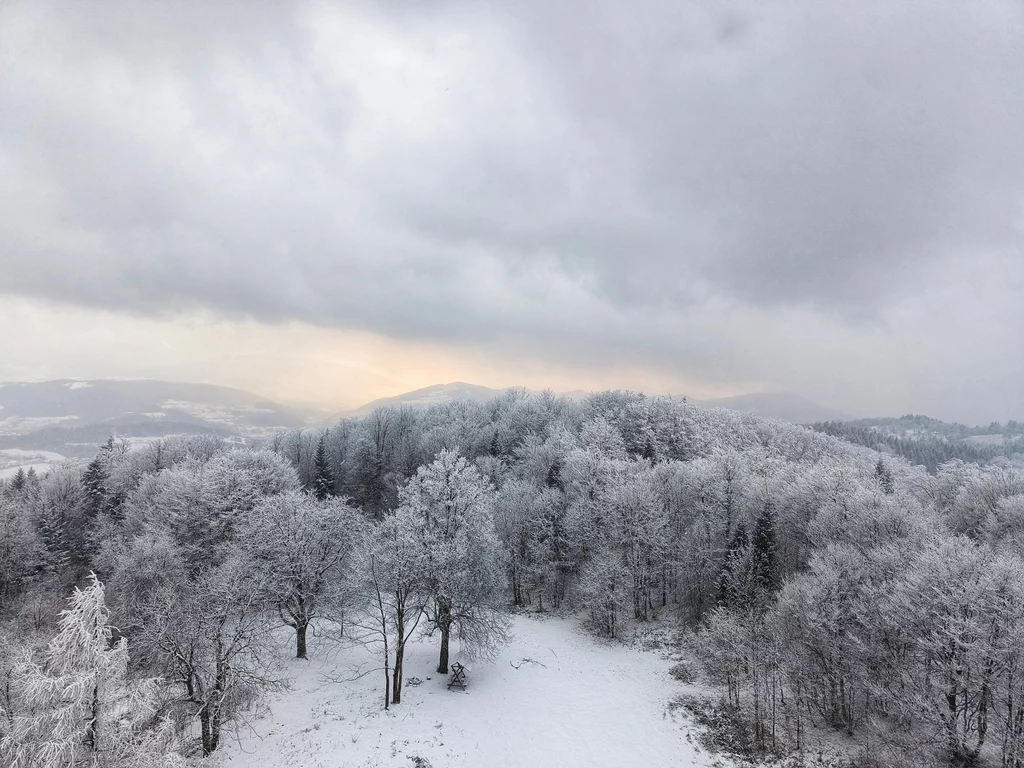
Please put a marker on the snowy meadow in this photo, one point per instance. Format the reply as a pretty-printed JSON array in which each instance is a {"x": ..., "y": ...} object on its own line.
[{"x": 555, "y": 696}]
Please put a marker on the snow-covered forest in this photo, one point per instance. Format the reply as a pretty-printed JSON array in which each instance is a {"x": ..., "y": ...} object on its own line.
[{"x": 817, "y": 586}]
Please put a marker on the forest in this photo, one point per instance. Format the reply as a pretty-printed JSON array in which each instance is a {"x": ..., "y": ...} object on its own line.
[
  {"x": 930, "y": 442},
  {"x": 816, "y": 583}
]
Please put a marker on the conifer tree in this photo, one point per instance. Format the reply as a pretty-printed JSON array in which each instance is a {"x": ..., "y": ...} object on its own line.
[
  {"x": 323, "y": 475},
  {"x": 763, "y": 550},
  {"x": 53, "y": 533},
  {"x": 884, "y": 475},
  {"x": 19, "y": 480},
  {"x": 94, "y": 481},
  {"x": 732, "y": 570},
  {"x": 79, "y": 707}
]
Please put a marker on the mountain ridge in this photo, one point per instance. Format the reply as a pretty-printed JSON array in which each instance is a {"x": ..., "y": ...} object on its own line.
[
  {"x": 783, "y": 406},
  {"x": 74, "y": 416}
]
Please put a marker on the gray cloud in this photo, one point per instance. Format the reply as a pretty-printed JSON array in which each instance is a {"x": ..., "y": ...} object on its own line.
[{"x": 671, "y": 183}]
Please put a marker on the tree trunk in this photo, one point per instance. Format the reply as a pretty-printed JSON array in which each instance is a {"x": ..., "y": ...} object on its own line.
[
  {"x": 954, "y": 743},
  {"x": 396, "y": 684},
  {"x": 92, "y": 737},
  {"x": 204, "y": 723},
  {"x": 442, "y": 664},
  {"x": 396, "y": 676},
  {"x": 210, "y": 715},
  {"x": 444, "y": 623},
  {"x": 300, "y": 639},
  {"x": 215, "y": 723},
  {"x": 387, "y": 675}
]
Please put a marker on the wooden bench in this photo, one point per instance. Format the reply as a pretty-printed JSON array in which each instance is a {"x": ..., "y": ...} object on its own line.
[{"x": 458, "y": 677}]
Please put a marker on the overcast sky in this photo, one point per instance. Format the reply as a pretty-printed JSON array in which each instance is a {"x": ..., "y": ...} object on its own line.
[{"x": 331, "y": 202}]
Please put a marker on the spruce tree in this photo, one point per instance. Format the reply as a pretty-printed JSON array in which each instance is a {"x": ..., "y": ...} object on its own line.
[
  {"x": 729, "y": 587},
  {"x": 19, "y": 480},
  {"x": 94, "y": 481},
  {"x": 885, "y": 479},
  {"x": 323, "y": 476},
  {"x": 554, "y": 478},
  {"x": 54, "y": 535},
  {"x": 763, "y": 551}
]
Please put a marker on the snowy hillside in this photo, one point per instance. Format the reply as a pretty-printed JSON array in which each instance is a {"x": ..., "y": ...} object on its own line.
[
  {"x": 782, "y": 406},
  {"x": 579, "y": 702},
  {"x": 73, "y": 417},
  {"x": 433, "y": 395}
]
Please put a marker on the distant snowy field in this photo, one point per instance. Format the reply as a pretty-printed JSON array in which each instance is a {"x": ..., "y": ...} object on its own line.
[
  {"x": 592, "y": 704},
  {"x": 13, "y": 459}
]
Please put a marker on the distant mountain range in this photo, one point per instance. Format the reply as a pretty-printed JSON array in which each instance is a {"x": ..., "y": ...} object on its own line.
[
  {"x": 783, "y": 406},
  {"x": 43, "y": 422},
  {"x": 433, "y": 395},
  {"x": 73, "y": 417}
]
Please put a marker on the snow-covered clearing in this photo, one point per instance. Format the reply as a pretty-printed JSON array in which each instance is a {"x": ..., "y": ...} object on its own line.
[{"x": 583, "y": 703}]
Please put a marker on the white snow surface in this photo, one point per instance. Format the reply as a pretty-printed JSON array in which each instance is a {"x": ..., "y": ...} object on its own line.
[
  {"x": 585, "y": 703},
  {"x": 9, "y": 472},
  {"x": 13, "y": 459},
  {"x": 21, "y": 454},
  {"x": 14, "y": 425}
]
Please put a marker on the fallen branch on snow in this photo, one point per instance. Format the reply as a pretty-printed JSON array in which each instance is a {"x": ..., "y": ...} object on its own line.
[{"x": 524, "y": 661}]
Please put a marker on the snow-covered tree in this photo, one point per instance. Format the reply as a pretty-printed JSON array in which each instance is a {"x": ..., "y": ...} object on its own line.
[
  {"x": 525, "y": 520},
  {"x": 453, "y": 504},
  {"x": 20, "y": 548},
  {"x": 244, "y": 476},
  {"x": 954, "y": 613},
  {"x": 198, "y": 501},
  {"x": 304, "y": 547},
  {"x": 394, "y": 594},
  {"x": 323, "y": 474},
  {"x": 642, "y": 532},
  {"x": 605, "y": 587},
  {"x": 209, "y": 637},
  {"x": 58, "y": 504},
  {"x": 94, "y": 483},
  {"x": 79, "y": 706}
]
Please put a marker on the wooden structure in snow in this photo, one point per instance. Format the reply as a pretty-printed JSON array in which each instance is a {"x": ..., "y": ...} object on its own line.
[{"x": 458, "y": 677}]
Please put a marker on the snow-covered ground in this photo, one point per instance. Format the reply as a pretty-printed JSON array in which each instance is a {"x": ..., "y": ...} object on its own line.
[
  {"x": 10, "y": 455},
  {"x": 14, "y": 425},
  {"x": 583, "y": 703},
  {"x": 13, "y": 459},
  {"x": 9, "y": 472}
]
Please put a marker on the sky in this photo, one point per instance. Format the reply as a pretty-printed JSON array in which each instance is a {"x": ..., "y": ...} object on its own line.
[{"x": 327, "y": 203}]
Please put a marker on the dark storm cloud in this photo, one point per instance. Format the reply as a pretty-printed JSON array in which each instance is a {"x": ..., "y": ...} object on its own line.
[{"x": 570, "y": 178}]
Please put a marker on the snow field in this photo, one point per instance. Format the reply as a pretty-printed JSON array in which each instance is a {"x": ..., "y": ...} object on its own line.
[{"x": 583, "y": 702}]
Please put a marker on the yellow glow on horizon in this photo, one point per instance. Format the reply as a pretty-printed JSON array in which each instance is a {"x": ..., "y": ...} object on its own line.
[{"x": 291, "y": 362}]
